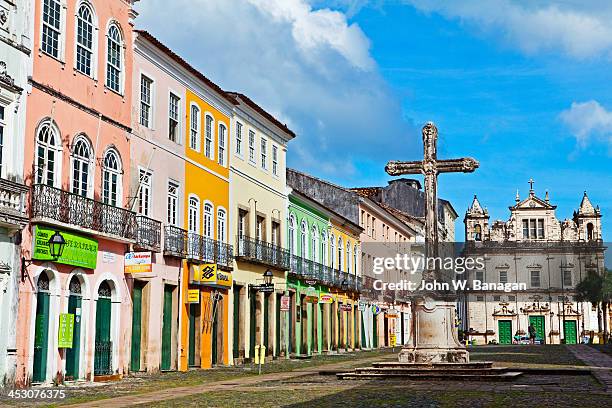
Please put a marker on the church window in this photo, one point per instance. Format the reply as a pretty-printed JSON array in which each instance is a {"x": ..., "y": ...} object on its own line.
[
  {"x": 567, "y": 278},
  {"x": 589, "y": 231},
  {"x": 503, "y": 276},
  {"x": 496, "y": 298},
  {"x": 477, "y": 233},
  {"x": 480, "y": 298},
  {"x": 535, "y": 279},
  {"x": 541, "y": 228},
  {"x": 480, "y": 275}
]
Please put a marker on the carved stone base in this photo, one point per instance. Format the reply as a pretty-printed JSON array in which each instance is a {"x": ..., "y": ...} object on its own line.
[{"x": 434, "y": 336}]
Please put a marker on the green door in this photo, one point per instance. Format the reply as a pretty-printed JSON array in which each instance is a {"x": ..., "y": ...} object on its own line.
[
  {"x": 166, "y": 361},
  {"x": 72, "y": 354},
  {"x": 103, "y": 345},
  {"x": 364, "y": 343},
  {"x": 192, "y": 333},
  {"x": 236, "y": 319},
  {"x": 136, "y": 325},
  {"x": 253, "y": 317},
  {"x": 505, "y": 331},
  {"x": 375, "y": 331},
  {"x": 278, "y": 325},
  {"x": 569, "y": 331},
  {"x": 291, "y": 339},
  {"x": 41, "y": 337},
  {"x": 355, "y": 327},
  {"x": 538, "y": 323},
  {"x": 215, "y": 327},
  {"x": 266, "y": 324}
]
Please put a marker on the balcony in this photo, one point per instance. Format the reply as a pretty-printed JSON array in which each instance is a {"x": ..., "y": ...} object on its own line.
[
  {"x": 12, "y": 203},
  {"x": 261, "y": 252},
  {"x": 310, "y": 270},
  {"x": 207, "y": 250},
  {"x": 175, "y": 241},
  {"x": 148, "y": 233},
  {"x": 54, "y": 206}
]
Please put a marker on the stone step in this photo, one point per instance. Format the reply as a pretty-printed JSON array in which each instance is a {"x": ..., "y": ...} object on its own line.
[
  {"x": 476, "y": 364},
  {"x": 441, "y": 376},
  {"x": 428, "y": 370}
]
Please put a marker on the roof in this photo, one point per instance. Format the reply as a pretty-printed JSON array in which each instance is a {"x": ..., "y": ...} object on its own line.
[
  {"x": 301, "y": 194},
  {"x": 262, "y": 112},
  {"x": 179, "y": 60},
  {"x": 405, "y": 217},
  {"x": 367, "y": 192}
]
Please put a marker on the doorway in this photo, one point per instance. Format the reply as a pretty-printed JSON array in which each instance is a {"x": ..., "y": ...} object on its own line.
[
  {"x": 166, "y": 359},
  {"x": 505, "y": 331},
  {"x": 136, "y": 325},
  {"x": 570, "y": 331},
  {"x": 103, "y": 345},
  {"x": 75, "y": 301},
  {"x": 41, "y": 330},
  {"x": 539, "y": 324}
]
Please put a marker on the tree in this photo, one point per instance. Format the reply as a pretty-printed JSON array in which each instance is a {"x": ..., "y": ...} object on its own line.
[{"x": 597, "y": 289}]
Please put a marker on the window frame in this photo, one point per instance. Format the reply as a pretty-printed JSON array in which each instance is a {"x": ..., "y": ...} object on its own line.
[
  {"x": 198, "y": 131},
  {"x": 531, "y": 279},
  {"x": 263, "y": 153},
  {"x": 61, "y": 30},
  {"x": 94, "y": 40},
  {"x": 209, "y": 136},
  {"x": 197, "y": 216},
  {"x": 143, "y": 187},
  {"x": 238, "y": 137},
  {"x": 89, "y": 161},
  {"x": 222, "y": 147},
  {"x": 208, "y": 223},
  {"x": 120, "y": 42},
  {"x": 175, "y": 197},
  {"x": 221, "y": 224},
  {"x": 275, "y": 160},
  {"x": 119, "y": 178},
  {"x": 144, "y": 78},
  {"x": 251, "y": 146},
  {"x": 177, "y": 129},
  {"x": 48, "y": 148}
]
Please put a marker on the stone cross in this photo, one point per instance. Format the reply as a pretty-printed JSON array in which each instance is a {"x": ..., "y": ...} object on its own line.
[{"x": 430, "y": 167}]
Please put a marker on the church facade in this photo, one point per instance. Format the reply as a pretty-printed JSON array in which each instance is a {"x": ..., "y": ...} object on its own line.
[{"x": 534, "y": 261}]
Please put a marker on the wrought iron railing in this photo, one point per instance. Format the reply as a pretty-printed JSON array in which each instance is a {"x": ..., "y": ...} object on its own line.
[
  {"x": 258, "y": 251},
  {"x": 103, "y": 358},
  {"x": 175, "y": 241},
  {"x": 308, "y": 269},
  {"x": 51, "y": 203},
  {"x": 208, "y": 250},
  {"x": 148, "y": 233}
]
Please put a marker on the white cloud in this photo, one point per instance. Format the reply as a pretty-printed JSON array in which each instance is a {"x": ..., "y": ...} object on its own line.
[
  {"x": 307, "y": 66},
  {"x": 588, "y": 121},
  {"x": 580, "y": 29}
]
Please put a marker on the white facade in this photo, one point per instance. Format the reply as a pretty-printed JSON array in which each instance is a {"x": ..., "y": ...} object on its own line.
[{"x": 15, "y": 67}]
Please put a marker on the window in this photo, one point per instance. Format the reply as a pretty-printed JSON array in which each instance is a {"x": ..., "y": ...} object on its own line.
[
  {"x": 239, "y": 138},
  {"x": 497, "y": 298},
  {"x": 221, "y": 225},
  {"x": 144, "y": 193},
  {"x": 368, "y": 225},
  {"x": 208, "y": 143},
  {"x": 222, "y": 131},
  {"x": 264, "y": 154},
  {"x": 51, "y": 29},
  {"x": 525, "y": 229},
  {"x": 480, "y": 298},
  {"x": 480, "y": 275},
  {"x": 85, "y": 40},
  {"x": 2, "y": 124},
  {"x": 355, "y": 259},
  {"x": 260, "y": 225},
  {"x": 533, "y": 228},
  {"x": 477, "y": 233},
  {"x": 275, "y": 160},
  {"x": 173, "y": 189},
  {"x": 373, "y": 228},
  {"x": 535, "y": 279},
  {"x": 251, "y": 146},
  {"x": 340, "y": 250},
  {"x": 47, "y": 152},
  {"x": 111, "y": 178},
  {"x": 173, "y": 117},
  {"x": 208, "y": 220},
  {"x": 324, "y": 248},
  {"x": 314, "y": 243},
  {"x": 541, "y": 228},
  {"x": 348, "y": 257},
  {"x": 567, "y": 278},
  {"x": 503, "y": 276},
  {"x": 332, "y": 241},
  {"x": 114, "y": 63},
  {"x": 511, "y": 298},
  {"x": 303, "y": 239},
  {"x": 146, "y": 85},
  {"x": 275, "y": 233},
  {"x": 292, "y": 234},
  {"x": 194, "y": 138},
  {"x": 193, "y": 219},
  {"x": 81, "y": 162},
  {"x": 242, "y": 223}
]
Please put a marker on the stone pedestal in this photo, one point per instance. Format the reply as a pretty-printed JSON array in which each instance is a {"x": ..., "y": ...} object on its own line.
[{"x": 434, "y": 336}]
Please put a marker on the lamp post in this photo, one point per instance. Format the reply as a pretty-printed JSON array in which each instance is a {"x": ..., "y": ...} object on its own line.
[{"x": 56, "y": 243}]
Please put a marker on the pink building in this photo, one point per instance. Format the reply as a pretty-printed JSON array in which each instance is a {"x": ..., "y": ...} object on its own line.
[{"x": 74, "y": 308}]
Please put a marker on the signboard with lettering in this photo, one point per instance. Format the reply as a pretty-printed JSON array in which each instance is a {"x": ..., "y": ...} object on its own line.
[
  {"x": 285, "y": 303},
  {"x": 311, "y": 291},
  {"x": 193, "y": 296},
  {"x": 392, "y": 339},
  {"x": 311, "y": 299},
  {"x": 138, "y": 262},
  {"x": 310, "y": 282},
  {"x": 346, "y": 308},
  {"x": 79, "y": 251},
  {"x": 392, "y": 314},
  {"x": 361, "y": 306},
  {"x": 66, "y": 330},
  {"x": 211, "y": 275},
  {"x": 326, "y": 299}
]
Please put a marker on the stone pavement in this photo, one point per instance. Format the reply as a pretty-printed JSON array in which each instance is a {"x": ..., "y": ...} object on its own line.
[{"x": 600, "y": 363}]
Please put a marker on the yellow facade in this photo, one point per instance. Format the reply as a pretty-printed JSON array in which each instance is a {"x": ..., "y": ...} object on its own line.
[{"x": 208, "y": 181}]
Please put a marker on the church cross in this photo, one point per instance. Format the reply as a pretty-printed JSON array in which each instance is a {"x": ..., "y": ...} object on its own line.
[
  {"x": 430, "y": 167},
  {"x": 531, "y": 184}
]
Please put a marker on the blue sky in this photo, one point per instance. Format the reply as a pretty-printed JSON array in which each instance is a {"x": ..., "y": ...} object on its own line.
[{"x": 524, "y": 89}]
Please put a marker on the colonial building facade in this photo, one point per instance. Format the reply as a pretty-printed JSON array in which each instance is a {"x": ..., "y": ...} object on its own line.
[{"x": 549, "y": 257}]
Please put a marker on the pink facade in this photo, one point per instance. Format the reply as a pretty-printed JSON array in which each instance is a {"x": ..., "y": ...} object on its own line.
[{"x": 77, "y": 159}]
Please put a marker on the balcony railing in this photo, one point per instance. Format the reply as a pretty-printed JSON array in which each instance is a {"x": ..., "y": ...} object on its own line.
[
  {"x": 311, "y": 270},
  {"x": 12, "y": 203},
  {"x": 257, "y": 251},
  {"x": 55, "y": 205},
  {"x": 148, "y": 233},
  {"x": 208, "y": 250},
  {"x": 175, "y": 241}
]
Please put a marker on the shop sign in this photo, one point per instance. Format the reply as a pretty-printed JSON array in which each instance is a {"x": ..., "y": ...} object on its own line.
[
  {"x": 311, "y": 299},
  {"x": 346, "y": 308},
  {"x": 311, "y": 291},
  {"x": 79, "y": 251},
  {"x": 66, "y": 330},
  {"x": 361, "y": 306},
  {"x": 193, "y": 296},
  {"x": 375, "y": 309},
  {"x": 138, "y": 262},
  {"x": 326, "y": 299},
  {"x": 393, "y": 339},
  {"x": 310, "y": 282},
  {"x": 285, "y": 303},
  {"x": 210, "y": 275},
  {"x": 392, "y": 314}
]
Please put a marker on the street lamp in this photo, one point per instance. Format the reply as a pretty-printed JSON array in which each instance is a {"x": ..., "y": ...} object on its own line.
[
  {"x": 268, "y": 277},
  {"x": 56, "y": 243},
  {"x": 344, "y": 285}
]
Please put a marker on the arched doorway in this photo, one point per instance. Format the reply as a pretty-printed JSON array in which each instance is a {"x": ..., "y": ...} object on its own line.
[
  {"x": 103, "y": 346},
  {"x": 41, "y": 331},
  {"x": 75, "y": 304}
]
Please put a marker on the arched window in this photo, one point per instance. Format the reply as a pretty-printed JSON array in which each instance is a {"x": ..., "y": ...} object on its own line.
[
  {"x": 193, "y": 223},
  {"x": 324, "y": 248},
  {"x": 194, "y": 139},
  {"x": 85, "y": 40},
  {"x": 208, "y": 143},
  {"x": 314, "y": 244},
  {"x": 356, "y": 259},
  {"x": 208, "y": 220},
  {"x": 75, "y": 286},
  {"x": 332, "y": 241},
  {"x": 104, "y": 291},
  {"x": 81, "y": 164},
  {"x": 589, "y": 231},
  {"x": 111, "y": 178},
  {"x": 477, "y": 233},
  {"x": 114, "y": 59},
  {"x": 222, "y": 131},
  {"x": 221, "y": 225},
  {"x": 340, "y": 251},
  {"x": 348, "y": 257},
  {"x": 303, "y": 239},
  {"x": 43, "y": 282},
  {"x": 291, "y": 234},
  {"x": 48, "y": 155}
]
